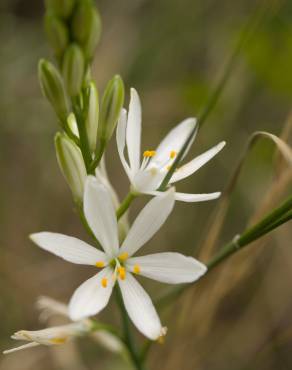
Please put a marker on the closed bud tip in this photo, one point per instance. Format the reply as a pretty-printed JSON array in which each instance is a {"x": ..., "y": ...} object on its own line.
[
  {"x": 91, "y": 122},
  {"x": 61, "y": 8},
  {"x": 53, "y": 88},
  {"x": 86, "y": 27},
  {"x": 73, "y": 69},
  {"x": 72, "y": 165},
  {"x": 111, "y": 105},
  {"x": 57, "y": 33}
]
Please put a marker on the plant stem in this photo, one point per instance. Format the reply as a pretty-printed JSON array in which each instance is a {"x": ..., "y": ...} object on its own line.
[
  {"x": 98, "y": 155},
  {"x": 128, "y": 339},
  {"x": 273, "y": 220},
  {"x": 84, "y": 145},
  {"x": 245, "y": 35},
  {"x": 125, "y": 204}
]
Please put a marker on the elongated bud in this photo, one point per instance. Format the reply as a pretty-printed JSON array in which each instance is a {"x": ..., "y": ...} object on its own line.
[
  {"x": 91, "y": 122},
  {"x": 111, "y": 105},
  {"x": 73, "y": 69},
  {"x": 86, "y": 27},
  {"x": 72, "y": 124},
  {"x": 62, "y": 8},
  {"x": 53, "y": 88},
  {"x": 57, "y": 34},
  {"x": 72, "y": 165}
]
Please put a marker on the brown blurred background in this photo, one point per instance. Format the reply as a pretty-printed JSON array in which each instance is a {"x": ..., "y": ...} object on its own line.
[{"x": 172, "y": 52}]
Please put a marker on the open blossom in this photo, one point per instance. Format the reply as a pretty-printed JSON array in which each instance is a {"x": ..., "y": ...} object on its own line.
[
  {"x": 146, "y": 176},
  {"x": 50, "y": 336},
  {"x": 117, "y": 263}
]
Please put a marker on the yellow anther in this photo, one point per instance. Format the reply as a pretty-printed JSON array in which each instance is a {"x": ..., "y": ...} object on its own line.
[
  {"x": 172, "y": 154},
  {"x": 104, "y": 282},
  {"x": 58, "y": 340},
  {"x": 136, "y": 269},
  {"x": 99, "y": 264},
  {"x": 161, "y": 339},
  {"x": 122, "y": 272},
  {"x": 149, "y": 153},
  {"x": 123, "y": 256},
  {"x": 168, "y": 168}
]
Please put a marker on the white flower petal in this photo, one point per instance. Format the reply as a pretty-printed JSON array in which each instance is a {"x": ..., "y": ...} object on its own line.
[
  {"x": 100, "y": 214},
  {"x": 140, "y": 308},
  {"x": 53, "y": 335},
  {"x": 121, "y": 140},
  {"x": 192, "y": 198},
  {"x": 91, "y": 297},
  {"x": 171, "y": 268},
  {"x": 69, "y": 248},
  {"x": 149, "y": 220},
  {"x": 101, "y": 176},
  {"x": 133, "y": 132},
  {"x": 192, "y": 166},
  {"x": 147, "y": 180},
  {"x": 174, "y": 141},
  {"x": 20, "y": 348}
]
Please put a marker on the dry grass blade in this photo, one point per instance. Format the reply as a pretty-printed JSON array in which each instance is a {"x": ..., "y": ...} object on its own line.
[{"x": 215, "y": 225}]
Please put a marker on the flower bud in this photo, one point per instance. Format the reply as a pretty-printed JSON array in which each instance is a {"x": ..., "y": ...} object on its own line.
[
  {"x": 73, "y": 69},
  {"x": 72, "y": 124},
  {"x": 62, "y": 8},
  {"x": 57, "y": 34},
  {"x": 72, "y": 165},
  {"x": 53, "y": 88},
  {"x": 86, "y": 27},
  {"x": 91, "y": 122},
  {"x": 111, "y": 105}
]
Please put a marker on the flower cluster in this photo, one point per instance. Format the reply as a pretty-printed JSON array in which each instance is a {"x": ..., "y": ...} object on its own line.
[{"x": 86, "y": 127}]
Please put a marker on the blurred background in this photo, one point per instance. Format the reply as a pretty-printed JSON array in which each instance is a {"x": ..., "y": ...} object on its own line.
[{"x": 172, "y": 52}]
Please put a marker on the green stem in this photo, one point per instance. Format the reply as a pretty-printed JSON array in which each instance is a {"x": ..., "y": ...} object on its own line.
[
  {"x": 98, "y": 155},
  {"x": 128, "y": 339},
  {"x": 248, "y": 30},
  {"x": 273, "y": 220},
  {"x": 84, "y": 144},
  {"x": 125, "y": 204}
]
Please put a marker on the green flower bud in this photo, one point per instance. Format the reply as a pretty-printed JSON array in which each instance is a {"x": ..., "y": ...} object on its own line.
[
  {"x": 53, "y": 88},
  {"x": 72, "y": 165},
  {"x": 57, "y": 34},
  {"x": 86, "y": 27},
  {"x": 72, "y": 124},
  {"x": 62, "y": 8},
  {"x": 91, "y": 122},
  {"x": 73, "y": 69},
  {"x": 111, "y": 105}
]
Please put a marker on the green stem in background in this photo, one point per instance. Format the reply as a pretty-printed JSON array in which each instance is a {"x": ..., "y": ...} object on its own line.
[
  {"x": 128, "y": 339},
  {"x": 125, "y": 204},
  {"x": 273, "y": 220},
  {"x": 249, "y": 29}
]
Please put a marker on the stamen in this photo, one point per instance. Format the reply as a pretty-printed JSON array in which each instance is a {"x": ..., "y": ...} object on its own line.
[
  {"x": 149, "y": 153},
  {"x": 58, "y": 340},
  {"x": 172, "y": 154},
  {"x": 99, "y": 264},
  {"x": 123, "y": 257},
  {"x": 104, "y": 282},
  {"x": 122, "y": 272},
  {"x": 136, "y": 269}
]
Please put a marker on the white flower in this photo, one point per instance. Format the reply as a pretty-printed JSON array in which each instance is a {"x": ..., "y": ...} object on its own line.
[
  {"x": 50, "y": 336},
  {"x": 147, "y": 176},
  {"x": 50, "y": 307},
  {"x": 117, "y": 263}
]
